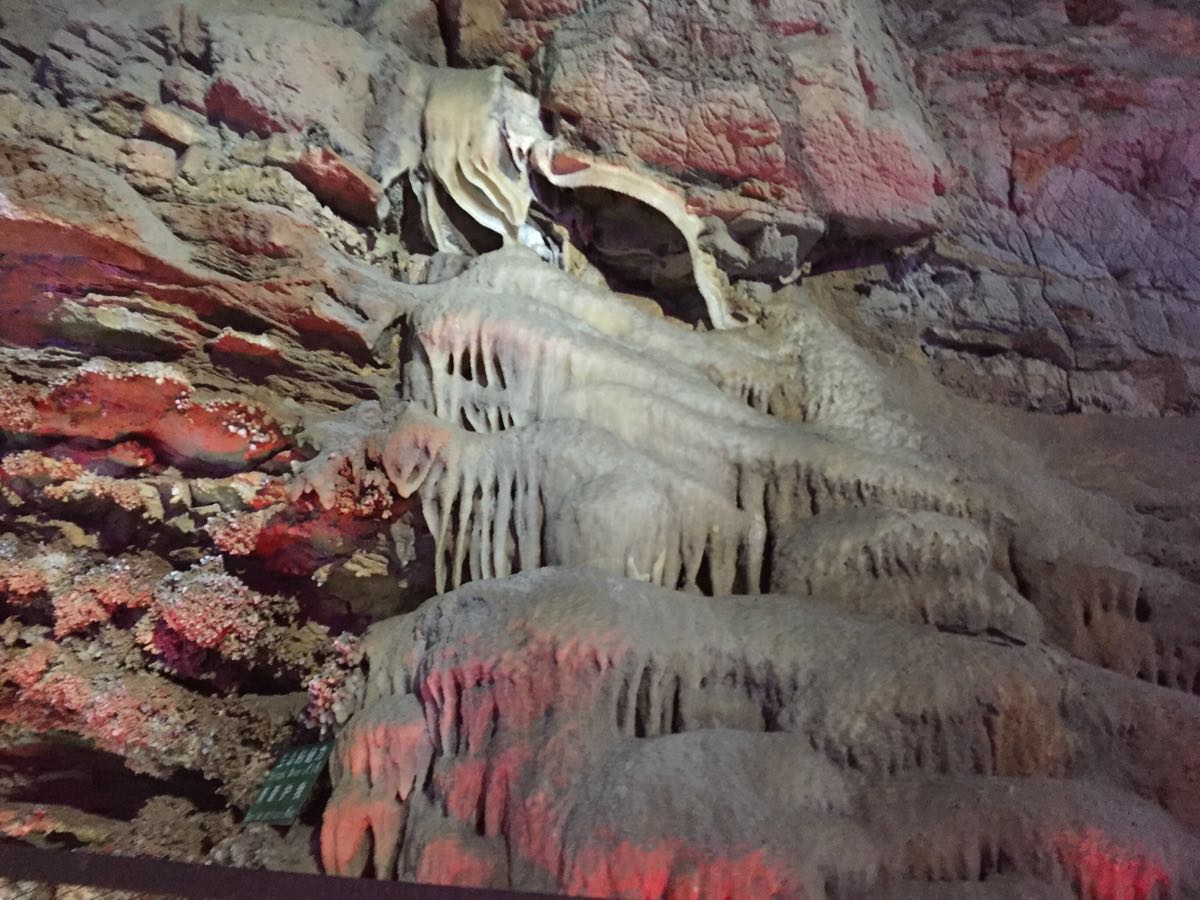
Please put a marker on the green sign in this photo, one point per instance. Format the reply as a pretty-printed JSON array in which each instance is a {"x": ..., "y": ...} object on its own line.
[{"x": 286, "y": 788}]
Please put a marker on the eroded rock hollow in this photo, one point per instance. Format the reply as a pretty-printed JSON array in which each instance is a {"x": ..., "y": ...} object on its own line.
[{"x": 733, "y": 448}]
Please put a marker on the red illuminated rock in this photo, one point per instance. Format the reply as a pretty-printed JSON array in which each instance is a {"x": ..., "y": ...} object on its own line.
[
  {"x": 684, "y": 793},
  {"x": 343, "y": 186},
  {"x": 154, "y": 404}
]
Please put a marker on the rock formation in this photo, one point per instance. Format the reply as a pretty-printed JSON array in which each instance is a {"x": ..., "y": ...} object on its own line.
[{"x": 676, "y": 449}]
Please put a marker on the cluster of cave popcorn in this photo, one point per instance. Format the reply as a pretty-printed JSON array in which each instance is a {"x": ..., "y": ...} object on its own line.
[{"x": 716, "y": 615}]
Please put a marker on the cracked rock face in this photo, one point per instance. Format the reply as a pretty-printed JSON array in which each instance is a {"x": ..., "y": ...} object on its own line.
[{"x": 675, "y": 449}]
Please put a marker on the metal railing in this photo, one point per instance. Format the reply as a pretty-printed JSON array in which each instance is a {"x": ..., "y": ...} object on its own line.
[{"x": 27, "y": 873}]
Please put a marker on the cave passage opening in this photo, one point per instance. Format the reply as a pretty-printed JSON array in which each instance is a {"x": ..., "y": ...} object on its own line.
[{"x": 636, "y": 248}]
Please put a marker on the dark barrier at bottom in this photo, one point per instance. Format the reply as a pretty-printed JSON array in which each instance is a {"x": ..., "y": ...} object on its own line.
[{"x": 177, "y": 879}]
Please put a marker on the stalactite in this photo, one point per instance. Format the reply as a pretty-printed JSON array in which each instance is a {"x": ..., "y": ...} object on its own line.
[
  {"x": 604, "y": 667},
  {"x": 740, "y": 543}
]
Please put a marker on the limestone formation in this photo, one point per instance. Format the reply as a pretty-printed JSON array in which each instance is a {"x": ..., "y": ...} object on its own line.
[{"x": 710, "y": 449}]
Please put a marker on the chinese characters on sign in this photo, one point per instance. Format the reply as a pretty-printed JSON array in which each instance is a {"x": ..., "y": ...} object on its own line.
[{"x": 287, "y": 786}]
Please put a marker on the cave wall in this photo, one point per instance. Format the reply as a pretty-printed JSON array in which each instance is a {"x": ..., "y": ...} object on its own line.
[{"x": 1039, "y": 159}]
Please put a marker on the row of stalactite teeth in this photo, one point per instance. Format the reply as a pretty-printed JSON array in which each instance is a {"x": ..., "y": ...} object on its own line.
[
  {"x": 1173, "y": 666},
  {"x": 466, "y": 377},
  {"x": 520, "y": 370},
  {"x": 648, "y": 700},
  {"x": 479, "y": 508},
  {"x": 640, "y": 712},
  {"x": 1168, "y": 663},
  {"x": 481, "y": 526},
  {"x": 491, "y": 526}
]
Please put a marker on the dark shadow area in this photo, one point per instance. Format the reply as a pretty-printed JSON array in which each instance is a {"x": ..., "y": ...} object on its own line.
[
  {"x": 635, "y": 247},
  {"x": 474, "y": 235},
  {"x": 838, "y": 251},
  {"x": 65, "y": 771}
]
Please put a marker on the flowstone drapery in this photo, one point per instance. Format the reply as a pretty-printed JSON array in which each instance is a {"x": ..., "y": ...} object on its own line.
[
  {"x": 483, "y": 139},
  {"x": 717, "y": 613},
  {"x": 875, "y": 648},
  {"x": 761, "y": 712}
]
